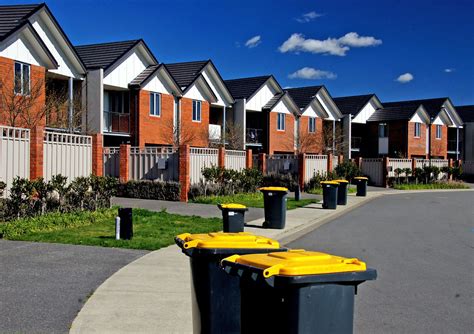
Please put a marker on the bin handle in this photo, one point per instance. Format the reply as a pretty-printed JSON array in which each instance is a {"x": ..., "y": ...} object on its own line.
[
  {"x": 231, "y": 258},
  {"x": 191, "y": 244},
  {"x": 273, "y": 270},
  {"x": 183, "y": 236}
]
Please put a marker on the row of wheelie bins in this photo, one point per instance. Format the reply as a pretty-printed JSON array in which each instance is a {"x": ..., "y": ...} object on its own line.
[
  {"x": 335, "y": 191},
  {"x": 243, "y": 283}
]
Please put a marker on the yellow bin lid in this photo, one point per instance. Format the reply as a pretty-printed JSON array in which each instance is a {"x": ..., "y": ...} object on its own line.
[
  {"x": 227, "y": 240},
  {"x": 329, "y": 182},
  {"x": 274, "y": 189},
  {"x": 298, "y": 262},
  {"x": 361, "y": 178},
  {"x": 232, "y": 206},
  {"x": 342, "y": 181}
]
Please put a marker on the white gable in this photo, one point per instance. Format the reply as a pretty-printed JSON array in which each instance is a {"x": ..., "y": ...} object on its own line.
[
  {"x": 418, "y": 117},
  {"x": 282, "y": 107},
  {"x": 438, "y": 121},
  {"x": 261, "y": 97},
  {"x": 57, "y": 46},
  {"x": 322, "y": 101},
  {"x": 217, "y": 88},
  {"x": 196, "y": 92},
  {"x": 159, "y": 85},
  {"x": 366, "y": 112},
  {"x": 132, "y": 64},
  {"x": 311, "y": 111},
  {"x": 19, "y": 47}
]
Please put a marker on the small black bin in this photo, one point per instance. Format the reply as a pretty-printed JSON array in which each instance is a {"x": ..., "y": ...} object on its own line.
[
  {"x": 330, "y": 194},
  {"x": 361, "y": 182},
  {"x": 233, "y": 217},
  {"x": 126, "y": 223}
]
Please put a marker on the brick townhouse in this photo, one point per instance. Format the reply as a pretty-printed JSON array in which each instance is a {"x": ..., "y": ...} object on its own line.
[
  {"x": 37, "y": 63},
  {"x": 317, "y": 109},
  {"x": 466, "y": 143}
]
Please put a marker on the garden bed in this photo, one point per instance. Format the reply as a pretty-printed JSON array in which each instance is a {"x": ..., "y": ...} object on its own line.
[
  {"x": 252, "y": 200},
  {"x": 435, "y": 185},
  {"x": 152, "y": 230}
]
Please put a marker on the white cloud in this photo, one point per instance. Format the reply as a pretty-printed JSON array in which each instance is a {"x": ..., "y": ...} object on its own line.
[
  {"x": 404, "y": 78},
  {"x": 312, "y": 73},
  {"x": 307, "y": 17},
  {"x": 449, "y": 70},
  {"x": 330, "y": 46},
  {"x": 254, "y": 41}
]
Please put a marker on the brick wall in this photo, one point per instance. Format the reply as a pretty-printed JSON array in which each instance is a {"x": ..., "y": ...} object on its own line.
[
  {"x": 416, "y": 145},
  {"x": 34, "y": 115},
  {"x": 194, "y": 133},
  {"x": 281, "y": 141},
  {"x": 311, "y": 142},
  {"x": 155, "y": 130},
  {"x": 439, "y": 147}
]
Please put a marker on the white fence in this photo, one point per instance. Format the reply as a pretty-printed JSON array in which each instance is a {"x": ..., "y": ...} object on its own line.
[
  {"x": 66, "y": 154},
  {"x": 397, "y": 163},
  {"x": 282, "y": 163},
  {"x": 433, "y": 162},
  {"x": 468, "y": 167},
  {"x": 235, "y": 159},
  {"x": 199, "y": 159},
  {"x": 154, "y": 163},
  {"x": 14, "y": 154},
  {"x": 111, "y": 161},
  {"x": 373, "y": 168},
  {"x": 315, "y": 164}
]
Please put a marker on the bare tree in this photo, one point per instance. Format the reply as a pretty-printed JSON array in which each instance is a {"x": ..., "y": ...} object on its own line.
[
  {"x": 234, "y": 136},
  {"x": 178, "y": 135},
  {"x": 337, "y": 137}
]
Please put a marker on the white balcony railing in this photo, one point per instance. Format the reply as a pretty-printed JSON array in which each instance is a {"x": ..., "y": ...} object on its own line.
[{"x": 214, "y": 132}]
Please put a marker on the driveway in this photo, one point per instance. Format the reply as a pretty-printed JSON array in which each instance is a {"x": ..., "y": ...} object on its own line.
[
  {"x": 422, "y": 247},
  {"x": 43, "y": 286}
]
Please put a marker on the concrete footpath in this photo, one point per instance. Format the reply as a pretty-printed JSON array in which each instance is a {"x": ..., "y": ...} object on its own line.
[{"x": 153, "y": 293}]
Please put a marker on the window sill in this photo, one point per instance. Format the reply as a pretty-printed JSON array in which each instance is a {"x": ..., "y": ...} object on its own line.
[{"x": 155, "y": 116}]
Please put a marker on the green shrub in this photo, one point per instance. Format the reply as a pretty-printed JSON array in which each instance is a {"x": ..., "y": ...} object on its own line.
[
  {"x": 288, "y": 180},
  {"x": 3, "y": 186},
  {"x": 315, "y": 181},
  {"x": 347, "y": 170},
  {"x": 159, "y": 190}
]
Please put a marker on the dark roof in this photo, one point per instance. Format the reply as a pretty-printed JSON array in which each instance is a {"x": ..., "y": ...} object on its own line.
[
  {"x": 103, "y": 55},
  {"x": 244, "y": 88},
  {"x": 303, "y": 95},
  {"x": 351, "y": 105},
  {"x": 432, "y": 106},
  {"x": 394, "y": 113},
  {"x": 273, "y": 101},
  {"x": 186, "y": 73},
  {"x": 144, "y": 75},
  {"x": 466, "y": 113},
  {"x": 14, "y": 16}
]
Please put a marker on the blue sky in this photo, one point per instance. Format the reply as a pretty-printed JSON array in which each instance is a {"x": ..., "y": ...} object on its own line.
[{"x": 429, "y": 42}]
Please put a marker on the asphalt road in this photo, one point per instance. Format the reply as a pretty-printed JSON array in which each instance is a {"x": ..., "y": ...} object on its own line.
[
  {"x": 43, "y": 286},
  {"x": 422, "y": 247}
]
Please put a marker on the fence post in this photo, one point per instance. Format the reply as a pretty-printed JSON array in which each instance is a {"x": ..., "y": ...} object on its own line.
[
  {"x": 450, "y": 165},
  {"x": 184, "y": 171},
  {"x": 221, "y": 157},
  {"x": 340, "y": 159},
  {"x": 385, "y": 163},
  {"x": 301, "y": 170},
  {"x": 263, "y": 163},
  {"x": 413, "y": 166},
  {"x": 36, "y": 152},
  {"x": 329, "y": 167},
  {"x": 358, "y": 161},
  {"x": 124, "y": 169},
  {"x": 97, "y": 155},
  {"x": 248, "y": 159}
]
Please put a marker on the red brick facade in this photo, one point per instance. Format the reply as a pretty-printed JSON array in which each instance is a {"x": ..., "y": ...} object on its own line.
[
  {"x": 36, "y": 152},
  {"x": 35, "y": 115},
  {"x": 281, "y": 140},
  {"x": 194, "y": 133},
  {"x": 155, "y": 130},
  {"x": 311, "y": 142},
  {"x": 416, "y": 145},
  {"x": 439, "y": 147},
  {"x": 97, "y": 155},
  {"x": 184, "y": 172}
]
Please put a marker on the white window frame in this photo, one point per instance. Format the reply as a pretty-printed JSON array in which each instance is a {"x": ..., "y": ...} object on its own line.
[
  {"x": 439, "y": 131},
  {"x": 417, "y": 130},
  {"x": 197, "y": 111},
  {"x": 312, "y": 125},
  {"x": 23, "y": 66},
  {"x": 385, "y": 132},
  {"x": 281, "y": 122},
  {"x": 155, "y": 112}
]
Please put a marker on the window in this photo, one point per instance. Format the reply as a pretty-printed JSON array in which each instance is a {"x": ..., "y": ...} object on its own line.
[
  {"x": 438, "y": 131},
  {"x": 22, "y": 79},
  {"x": 417, "y": 129},
  {"x": 281, "y": 122},
  {"x": 312, "y": 124},
  {"x": 383, "y": 130},
  {"x": 155, "y": 104},
  {"x": 196, "y": 111},
  {"x": 116, "y": 102}
]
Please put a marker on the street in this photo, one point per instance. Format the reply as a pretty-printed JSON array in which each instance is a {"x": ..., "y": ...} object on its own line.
[
  {"x": 43, "y": 286},
  {"x": 422, "y": 247}
]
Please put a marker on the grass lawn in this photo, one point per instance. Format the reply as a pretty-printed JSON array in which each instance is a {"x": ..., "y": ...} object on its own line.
[
  {"x": 319, "y": 191},
  {"x": 152, "y": 230},
  {"x": 437, "y": 185},
  {"x": 254, "y": 200}
]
